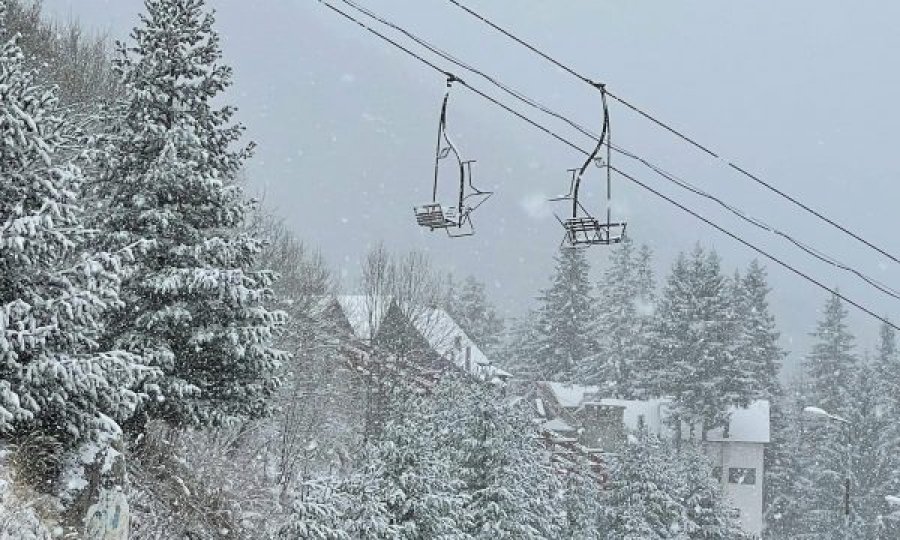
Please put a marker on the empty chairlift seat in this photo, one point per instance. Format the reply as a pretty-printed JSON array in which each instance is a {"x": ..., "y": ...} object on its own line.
[
  {"x": 434, "y": 216},
  {"x": 589, "y": 231}
]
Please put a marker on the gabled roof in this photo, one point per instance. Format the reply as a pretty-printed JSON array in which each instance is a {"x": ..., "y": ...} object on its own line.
[
  {"x": 364, "y": 313},
  {"x": 445, "y": 337}
]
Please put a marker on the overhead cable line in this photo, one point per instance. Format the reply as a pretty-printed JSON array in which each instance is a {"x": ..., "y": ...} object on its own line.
[
  {"x": 756, "y": 222},
  {"x": 456, "y": 61},
  {"x": 678, "y": 133},
  {"x": 625, "y": 175}
]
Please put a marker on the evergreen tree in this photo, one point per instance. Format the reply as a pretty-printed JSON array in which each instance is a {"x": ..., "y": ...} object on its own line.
[
  {"x": 875, "y": 461},
  {"x": 831, "y": 364},
  {"x": 193, "y": 306},
  {"x": 708, "y": 515},
  {"x": 421, "y": 498},
  {"x": 887, "y": 370},
  {"x": 581, "y": 503},
  {"x": 519, "y": 353},
  {"x": 365, "y": 515},
  {"x": 470, "y": 308},
  {"x": 691, "y": 356},
  {"x": 641, "y": 498},
  {"x": 784, "y": 496},
  {"x": 646, "y": 282},
  {"x": 510, "y": 490},
  {"x": 566, "y": 336},
  {"x": 757, "y": 336},
  {"x": 317, "y": 514},
  {"x": 624, "y": 296},
  {"x": 830, "y": 369},
  {"x": 55, "y": 378}
]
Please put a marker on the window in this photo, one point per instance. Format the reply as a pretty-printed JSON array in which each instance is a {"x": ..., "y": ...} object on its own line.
[
  {"x": 741, "y": 475},
  {"x": 717, "y": 473}
]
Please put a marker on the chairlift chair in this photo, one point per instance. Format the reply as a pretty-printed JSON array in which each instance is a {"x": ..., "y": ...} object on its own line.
[
  {"x": 589, "y": 231},
  {"x": 583, "y": 229},
  {"x": 455, "y": 220}
]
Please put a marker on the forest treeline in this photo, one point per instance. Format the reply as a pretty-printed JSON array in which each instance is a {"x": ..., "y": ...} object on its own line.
[{"x": 709, "y": 341}]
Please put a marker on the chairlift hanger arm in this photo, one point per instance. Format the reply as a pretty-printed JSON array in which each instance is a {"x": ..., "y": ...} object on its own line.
[
  {"x": 593, "y": 155},
  {"x": 443, "y": 151}
]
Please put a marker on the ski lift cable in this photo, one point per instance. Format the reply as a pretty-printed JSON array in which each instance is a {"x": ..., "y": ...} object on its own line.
[
  {"x": 759, "y": 223},
  {"x": 604, "y": 136},
  {"x": 627, "y": 176},
  {"x": 581, "y": 231},
  {"x": 680, "y": 134},
  {"x": 759, "y": 250},
  {"x": 460, "y": 63}
]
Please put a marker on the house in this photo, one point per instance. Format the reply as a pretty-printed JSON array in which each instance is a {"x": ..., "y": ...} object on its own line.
[
  {"x": 425, "y": 337},
  {"x": 603, "y": 424}
]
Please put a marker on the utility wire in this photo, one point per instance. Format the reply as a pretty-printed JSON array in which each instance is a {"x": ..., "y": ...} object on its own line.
[
  {"x": 627, "y": 176},
  {"x": 756, "y": 222},
  {"x": 678, "y": 133}
]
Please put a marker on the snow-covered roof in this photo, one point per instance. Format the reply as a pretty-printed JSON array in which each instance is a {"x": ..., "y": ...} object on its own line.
[
  {"x": 441, "y": 332},
  {"x": 571, "y": 396},
  {"x": 451, "y": 342},
  {"x": 557, "y": 425},
  {"x": 750, "y": 424},
  {"x": 747, "y": 425},
  {"x": 364, "y": 313}
]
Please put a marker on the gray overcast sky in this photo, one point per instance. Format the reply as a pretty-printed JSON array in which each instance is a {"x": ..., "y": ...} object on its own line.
[{"x": 803, "y": 92}]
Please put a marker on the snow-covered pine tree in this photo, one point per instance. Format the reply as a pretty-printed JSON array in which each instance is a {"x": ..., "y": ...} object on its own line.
[
  {"x": 365, "y": 514},
  {"x": 757, "y": 336},
  {"x": 581, "y": 502},
  {"x": 786, "y": 492},
  {"x": 887, "y": 370},
  {"x": 421, "y": 497},
  {"x": 708, "y": 515},
  {"x": 830, "y": 371},
  {"x": 470, "y": 308},
  {"x": 566, "y": 335},
  {"x": 641, "y": 499},
  {"x": 316, "y": 514},
  {"x": 691, "y": 352},
  {"x": 783, "y": 494},
  {"x": 193, "y": 306},
  {"x": 55, "y": 378},
  {"x": 831, "y": 364},
  {"x": 519, "y": 352},
  {"x": 875, "y": 458},
  {"x": 624, "y": 297},
  {"x": 509, "y": 487},
  {"x": 646, "y": 281}
]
